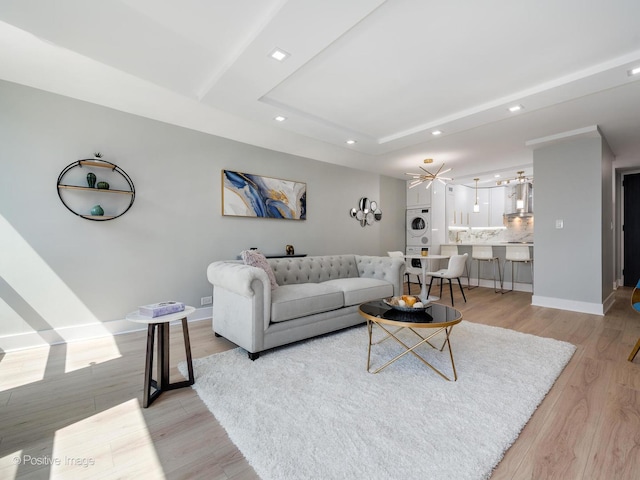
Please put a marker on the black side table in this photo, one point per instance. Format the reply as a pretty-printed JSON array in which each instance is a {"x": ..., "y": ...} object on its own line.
[{"x": 161, "y": 326}]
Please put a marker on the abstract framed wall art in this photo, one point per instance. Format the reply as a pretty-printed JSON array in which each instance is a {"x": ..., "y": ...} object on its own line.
[{"x": 249, "y": 195}]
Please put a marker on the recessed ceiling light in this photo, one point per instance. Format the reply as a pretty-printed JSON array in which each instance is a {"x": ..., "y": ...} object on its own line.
[
  {"x": 633, "y": 71},
  {"x": 515, "y": 108},
  {"x": 436, "y": 132},
  {"x": 351, "y": 142},
  {"x": 497, "y": 175},
  {"x": 279, "y": 54},
  {"x": 279, "y": 118}
]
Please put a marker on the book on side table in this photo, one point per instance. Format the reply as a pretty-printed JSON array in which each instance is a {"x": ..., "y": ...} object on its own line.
[{"x": 162, "y": 308}]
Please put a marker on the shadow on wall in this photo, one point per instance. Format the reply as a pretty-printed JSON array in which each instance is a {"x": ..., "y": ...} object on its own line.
[{"x": 35, "y": 300}]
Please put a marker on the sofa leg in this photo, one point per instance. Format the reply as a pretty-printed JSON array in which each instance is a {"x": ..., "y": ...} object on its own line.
[
  {"x": 217, "y": 334},
  {"x": 254, "y": 356}
]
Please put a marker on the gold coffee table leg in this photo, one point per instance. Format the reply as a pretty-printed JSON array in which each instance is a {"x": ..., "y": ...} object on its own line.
[
  {"x": 409, "y": 349},
  {"x": 369, "y": 331}
]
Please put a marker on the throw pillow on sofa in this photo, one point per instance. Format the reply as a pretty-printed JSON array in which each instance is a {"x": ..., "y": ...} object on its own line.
[{"x": 256, "y": 259}]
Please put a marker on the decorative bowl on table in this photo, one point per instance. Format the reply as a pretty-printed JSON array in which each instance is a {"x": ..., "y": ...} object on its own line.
[{"x": 406, "y": 303}]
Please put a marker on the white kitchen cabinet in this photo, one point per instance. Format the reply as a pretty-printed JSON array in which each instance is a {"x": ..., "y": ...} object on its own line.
[
  {"x": 418, "y": 196},
  {"x": 461, "y": 205},
  {"x": 450, "y": 203},
  {"x": 439, "y": 232},
  {"x": 497, "y": 203},
  {"x": 460, "y": 202},
  {"x": 481, "y": 218}
]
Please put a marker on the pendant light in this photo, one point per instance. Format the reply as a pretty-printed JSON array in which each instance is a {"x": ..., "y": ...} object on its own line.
[
  {"x": 476, "y": 207},
  {"x": 520, "y": 199}
]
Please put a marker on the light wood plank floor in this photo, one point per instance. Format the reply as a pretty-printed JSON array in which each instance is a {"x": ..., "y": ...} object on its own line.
[{"x": 78, "y": 405}]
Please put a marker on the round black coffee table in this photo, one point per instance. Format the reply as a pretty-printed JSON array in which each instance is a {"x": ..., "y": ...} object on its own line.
[{"x": 438, "y": 318}]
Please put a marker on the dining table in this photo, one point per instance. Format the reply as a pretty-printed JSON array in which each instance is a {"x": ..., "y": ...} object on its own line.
[{"x": 424, "y": 261}]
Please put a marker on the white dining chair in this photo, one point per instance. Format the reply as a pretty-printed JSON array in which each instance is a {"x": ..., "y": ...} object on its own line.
[
  {"x": 450, "y": 251},
  {"x": 455, "y": 270},
  {"x": 409, "y": 270}
]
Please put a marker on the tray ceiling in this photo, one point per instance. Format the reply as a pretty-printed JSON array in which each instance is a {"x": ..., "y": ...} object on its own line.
[{"x": 383, "y": 73}]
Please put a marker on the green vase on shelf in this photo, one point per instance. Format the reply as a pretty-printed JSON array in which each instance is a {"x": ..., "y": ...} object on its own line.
[
  {"x": 91, "y": 179},
  {"x": 97, "y": 211},
  {"x": 103, "y": 185}
]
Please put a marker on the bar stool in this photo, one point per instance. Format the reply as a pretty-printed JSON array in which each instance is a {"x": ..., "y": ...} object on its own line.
[
  {"x": 484, "y": 253},
  {"x": 517, "y": 254},
  {"x": 450, "y": 251}
]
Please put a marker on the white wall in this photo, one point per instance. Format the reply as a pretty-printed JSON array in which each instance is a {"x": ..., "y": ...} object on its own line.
[
  {"x": 59, "y": 271},
  {"x": 574, "y": 265}
]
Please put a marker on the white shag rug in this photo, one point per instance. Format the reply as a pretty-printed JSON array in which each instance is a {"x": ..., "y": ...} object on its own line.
[{"x": 311, "y": 410}]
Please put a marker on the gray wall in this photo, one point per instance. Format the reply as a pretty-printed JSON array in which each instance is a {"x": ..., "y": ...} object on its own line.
[
  {"x": 393, "y": 226},
  {"x": 573, "y": 183},
  {"x": 608, "y": 222},
  {"x": 59, "y": 270}
]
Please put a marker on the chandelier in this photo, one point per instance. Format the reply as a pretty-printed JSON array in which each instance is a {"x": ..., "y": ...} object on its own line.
[{"x": 427, "y": 176}]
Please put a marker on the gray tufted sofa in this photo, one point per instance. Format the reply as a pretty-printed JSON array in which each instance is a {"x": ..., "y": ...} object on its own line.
[{"x": 315, "y": 295}]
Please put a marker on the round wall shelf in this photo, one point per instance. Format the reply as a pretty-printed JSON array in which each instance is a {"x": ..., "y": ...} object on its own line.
[{"x": 90, "y": 186}]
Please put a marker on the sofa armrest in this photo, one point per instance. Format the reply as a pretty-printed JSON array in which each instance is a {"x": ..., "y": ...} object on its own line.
[
  {"x": 237, "y": 277},
  {"x": 391, "y": 269},
  {"x": 244, "y": 280}
]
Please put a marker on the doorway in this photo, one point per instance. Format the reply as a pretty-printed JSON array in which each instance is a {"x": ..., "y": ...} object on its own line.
[{"x": 631, "y": 229}]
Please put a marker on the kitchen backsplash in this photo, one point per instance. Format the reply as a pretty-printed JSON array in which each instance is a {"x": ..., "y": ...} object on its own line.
[{"x": 517, "y": 229}]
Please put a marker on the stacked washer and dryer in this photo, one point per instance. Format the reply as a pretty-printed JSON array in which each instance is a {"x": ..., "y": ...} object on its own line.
[{"x": 418, "y": 232}]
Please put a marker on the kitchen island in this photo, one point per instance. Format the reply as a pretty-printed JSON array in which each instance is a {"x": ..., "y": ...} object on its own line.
[{"x": 522, "y": 272}]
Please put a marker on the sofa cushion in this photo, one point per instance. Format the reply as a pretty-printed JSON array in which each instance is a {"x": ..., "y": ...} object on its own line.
[
  {"x": 360, "y": 290},
  {"x": 299, "y": 300},
  {"x": 256, "y": 259}
]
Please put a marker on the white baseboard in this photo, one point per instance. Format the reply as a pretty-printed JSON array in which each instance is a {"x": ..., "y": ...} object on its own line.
[
  {"x": 77, "y": 333},
  {"x": 608, "y": 302},
  {"x": 571, "y": 305}
]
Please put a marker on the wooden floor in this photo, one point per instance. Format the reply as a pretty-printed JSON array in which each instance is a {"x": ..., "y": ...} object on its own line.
[{"x": 74, "y": 411}]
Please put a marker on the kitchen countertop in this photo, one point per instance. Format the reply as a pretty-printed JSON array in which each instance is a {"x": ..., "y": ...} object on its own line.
[{"x": 492, "y": 244}]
